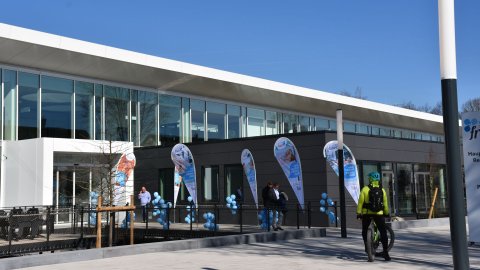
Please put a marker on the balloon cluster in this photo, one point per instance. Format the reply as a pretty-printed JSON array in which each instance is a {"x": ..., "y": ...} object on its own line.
[
  {"x": 191, "y": 211},
  {"x": 160, "y": 208},
  {"x": 232, "y": 204},
  {"x": 262, "y": 217},
  {"x": 210, "y": 222},
  {"x": 92, "y": 219},
  {"x": 326, "y": 202}
]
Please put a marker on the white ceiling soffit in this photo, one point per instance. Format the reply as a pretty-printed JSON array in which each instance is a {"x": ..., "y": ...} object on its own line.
[{"x": 43, "y": 51}]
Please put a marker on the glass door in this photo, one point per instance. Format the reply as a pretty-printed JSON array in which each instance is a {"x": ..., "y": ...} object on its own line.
[
  {"x": 422, "y": 191},
  {"x": 388, "y": 183}
]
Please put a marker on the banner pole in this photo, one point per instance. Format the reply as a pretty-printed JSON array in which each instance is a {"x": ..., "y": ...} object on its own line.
[{"x": 341, "y": 176}]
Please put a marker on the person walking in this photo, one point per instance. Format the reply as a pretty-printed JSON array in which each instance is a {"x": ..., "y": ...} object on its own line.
[
  {"x": 278, "y": 213},
  {"x": 145, "y": 198},
  {"x": 373, "y": 205}
]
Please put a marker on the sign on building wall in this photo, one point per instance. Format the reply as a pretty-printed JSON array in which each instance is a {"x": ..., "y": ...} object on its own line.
[{"x": 471, "y": 155}]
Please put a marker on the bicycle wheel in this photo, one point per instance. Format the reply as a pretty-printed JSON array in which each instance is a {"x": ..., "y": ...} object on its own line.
[
  {"x": 370, "y": 243},
  {"x": 391, "y": 237}
]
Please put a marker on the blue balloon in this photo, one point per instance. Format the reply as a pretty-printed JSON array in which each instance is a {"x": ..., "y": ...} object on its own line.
[
  {"x": 169, "y": 204},
  {"x": 229, "y": 200},
  {"x": 190, "y": 199},
  {"x": 234, "y": 207},
  {"x": 155, "y": 194},
  {"x": 233, "y": 196},
  {"x": 322, "y": 202},
  {"x": 234, "y": 202},
  {"x": 205, "y": 216},
  {"x": 162, "y": 201},
  {"x": 228, "y": 205},
  {"x": 322, "y": 209},
  {"x": 330, "y": 202},
  {"x": 324, "y": 195}
]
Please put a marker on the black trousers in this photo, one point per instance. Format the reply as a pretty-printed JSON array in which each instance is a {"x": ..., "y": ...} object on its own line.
[{"x": 380, "y": 221}]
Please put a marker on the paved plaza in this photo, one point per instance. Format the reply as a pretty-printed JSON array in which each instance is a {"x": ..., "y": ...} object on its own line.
[{"x": 415, "y": 248}]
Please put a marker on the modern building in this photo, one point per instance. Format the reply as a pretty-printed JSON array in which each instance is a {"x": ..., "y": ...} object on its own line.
[{"x": 63, "y": 99}]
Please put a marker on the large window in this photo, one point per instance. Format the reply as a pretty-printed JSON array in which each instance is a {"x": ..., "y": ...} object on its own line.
[
  {"x": 10, "y": 99},
  {"x": 290, "y": 123},
  {"x": 405, "y": 189},
  {"x": 116, "y": 113},
  {"x": 234, "y": 181},
  {"x": 170, "y": 120},
  {"x": 165, "y": 185},
  {"x": 255, "y": 122},
  {"x": 198, "y": 120},
  {"x": 148, "y": 118},
  {"x": 84, "y": 117},
  {"x": 321, "y": 124},
  {"x": 215, "y": 121},
  {"x": 28, "y": 85},
  {"x": 210, "y": 184},
  {"x": 272, "y": 123},
  {"x": 99, "y": 115},
  {"x": 56, "y": 107},
  {"x": 233, "y": 119},
  {"x": 304, "y": 123}
]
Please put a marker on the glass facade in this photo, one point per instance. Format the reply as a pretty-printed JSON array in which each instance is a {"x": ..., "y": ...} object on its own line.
[
  {"x": 28, "y": 96},
  {"x": 51, "y": 106},
  {"x": 10, "y": 103},
  {"x": 216, "y": 121},
  {"x": 84, "y": 110},
  {"x": 57, "y": 96},
  {"x": 410, "y": 187}
]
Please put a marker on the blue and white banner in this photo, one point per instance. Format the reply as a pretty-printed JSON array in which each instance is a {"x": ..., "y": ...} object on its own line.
[
  {"x": 177, "y": 181},
  {"x": 352, "y": 182},
  {"x": 249, "y": 169},
  {"x": 471, "y": 155},
  {"x": 184, "y": 164},
  {"x": 288, "y": 158}
]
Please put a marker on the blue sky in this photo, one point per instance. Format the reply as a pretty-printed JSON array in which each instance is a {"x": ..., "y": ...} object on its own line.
[{"x": 389, "y": 49}]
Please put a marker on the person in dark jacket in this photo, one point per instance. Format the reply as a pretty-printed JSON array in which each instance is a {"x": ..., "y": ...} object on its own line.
[{"x": 266, "y": 194}]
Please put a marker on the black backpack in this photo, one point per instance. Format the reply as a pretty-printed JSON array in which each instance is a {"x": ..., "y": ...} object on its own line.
[{"x": 375, "y": 197}]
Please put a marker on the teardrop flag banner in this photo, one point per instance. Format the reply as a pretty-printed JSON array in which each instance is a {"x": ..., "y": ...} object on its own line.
[
  {"x": 352, "y": 182},
  {"x": 288, "y": 158},
  {"x": 184, "y": 164},
  {"x": 122, "y": 178},
  {"x": 249, "y": 169},
  {"x": 177, "y": 181}
]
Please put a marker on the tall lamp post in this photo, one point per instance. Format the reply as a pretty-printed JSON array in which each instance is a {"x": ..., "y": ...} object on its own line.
[
  {"x": 341, "y": 177},
  {"x": 448, "y": 72}
]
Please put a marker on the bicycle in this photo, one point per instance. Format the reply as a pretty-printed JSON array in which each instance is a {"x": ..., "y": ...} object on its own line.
[{"x": 373, "y": 240}]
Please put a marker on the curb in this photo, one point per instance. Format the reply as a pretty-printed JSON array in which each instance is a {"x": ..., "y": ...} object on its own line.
[{"x": 110, "y": 252}]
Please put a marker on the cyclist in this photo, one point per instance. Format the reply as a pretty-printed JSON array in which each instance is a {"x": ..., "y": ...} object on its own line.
[{"x": 377, "y": 210}]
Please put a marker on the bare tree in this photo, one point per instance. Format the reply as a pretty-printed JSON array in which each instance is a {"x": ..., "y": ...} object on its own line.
[
  {"x": 471, "y": 105},
  {"x": 357, "y": 94},
  {"x": 436, "y": 109}
]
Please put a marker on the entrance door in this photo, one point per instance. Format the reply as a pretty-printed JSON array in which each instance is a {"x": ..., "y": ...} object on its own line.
[
  {"x": 71, "y": 186},
  {"x": 388, "y": 183},
  {"x": 423, "y": 192}
]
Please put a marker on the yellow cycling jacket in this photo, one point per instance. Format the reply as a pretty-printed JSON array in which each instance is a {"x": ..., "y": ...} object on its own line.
[{"x": 364, "y": 200}]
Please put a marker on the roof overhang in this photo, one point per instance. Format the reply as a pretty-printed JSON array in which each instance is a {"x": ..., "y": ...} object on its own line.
[{"x": 46, "y": 52}]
